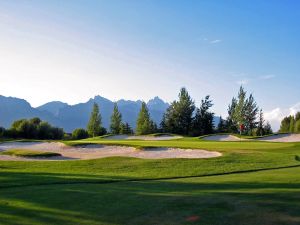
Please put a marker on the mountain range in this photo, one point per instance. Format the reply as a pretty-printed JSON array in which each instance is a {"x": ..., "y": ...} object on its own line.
[{"x": 75, "y": 116}]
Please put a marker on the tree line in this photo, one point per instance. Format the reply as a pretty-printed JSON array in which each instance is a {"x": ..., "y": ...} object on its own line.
[
  {"x": 290, "y": 124},
  {"x": 182, "y": 117},
  {"x": 33, "y": 128}
]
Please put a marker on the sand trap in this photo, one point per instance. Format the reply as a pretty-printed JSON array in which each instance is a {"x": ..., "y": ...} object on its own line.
[
  {"x": 281, "y": 138},
  {"x": 102, "y": 151},
  {"x": 143, "y": 137},
  {"x": 222, "y": 137}
]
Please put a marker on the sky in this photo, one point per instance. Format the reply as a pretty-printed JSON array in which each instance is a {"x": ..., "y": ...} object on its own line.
[{"x": 72, "y": 50}]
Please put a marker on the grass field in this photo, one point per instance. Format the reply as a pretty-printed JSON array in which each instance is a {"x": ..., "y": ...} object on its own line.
[
  {"x": 28, "y": 153},
  {"x": 252, "y": 183}
]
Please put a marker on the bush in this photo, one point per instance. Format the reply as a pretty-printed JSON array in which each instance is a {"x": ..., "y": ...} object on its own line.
[
  {"x": 32, "y": 129},
  {"x": 79, "y": 134},
  {"x": 2, "y": 131}
]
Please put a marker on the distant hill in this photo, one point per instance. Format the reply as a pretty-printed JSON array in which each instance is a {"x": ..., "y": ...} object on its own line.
[
  {"x": 52, "y": 107},
  {"x": 70, "y": 117}
]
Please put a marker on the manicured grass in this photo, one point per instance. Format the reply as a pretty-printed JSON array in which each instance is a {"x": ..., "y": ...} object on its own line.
[
  {"x": 29, "y": 153},
  {"x": 120, "y": 190},
  {"x": 261, "y": 198}
]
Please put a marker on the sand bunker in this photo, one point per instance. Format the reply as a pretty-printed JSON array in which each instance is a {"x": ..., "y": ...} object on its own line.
[
  {"x": 281, "y": 138},
  {"x": 102, "y": 151},
  {"x": 143, "y": 137},
  {"x": 221, "y": 137}
]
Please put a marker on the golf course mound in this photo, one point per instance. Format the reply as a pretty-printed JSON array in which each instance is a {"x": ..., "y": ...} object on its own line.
[
  {"x": 281, "y": 138},
  {"x": 29, "y": 153},
  {"x": 221, "y": 137},
  {"x": 95, "y": 151},
  {"x": 143, "y": 137}
]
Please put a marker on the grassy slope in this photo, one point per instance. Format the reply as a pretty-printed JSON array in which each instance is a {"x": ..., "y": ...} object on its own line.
[
  {"x": 251, "y": 198},
  {"x": 29, "y": 153}
]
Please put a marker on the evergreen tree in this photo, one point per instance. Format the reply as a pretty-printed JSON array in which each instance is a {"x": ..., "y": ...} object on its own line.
[
  {"x": 115, "y": 120},
  {"x": 297, "y": 116},
  {"x": 244, "y": 111},
  {"x": 239, "y": 111},
  {"x": 297, "y": 126},
  {"x": 203, "y": 120},
  {"x": 230, "y": 121},
  {"x": 292, "y": 124},
  {"x": 285, "y": 125},
  {"x": 261, "y": 122},
  {"x": 179, "y": 116},
  {"x": 94, "y": 125},
  {"x": 250, "y": 114},
  {"x": 268, "y": 129},
  {"x": 126, "y": 129},
  {"x": 222, "y": 126},
  {"x": 143, "y": 124}
]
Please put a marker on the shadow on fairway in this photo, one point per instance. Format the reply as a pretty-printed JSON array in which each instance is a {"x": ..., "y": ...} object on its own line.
[{"x": 205, "y": 200}]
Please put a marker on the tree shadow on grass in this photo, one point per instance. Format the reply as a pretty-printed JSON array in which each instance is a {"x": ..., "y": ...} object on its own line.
[{"x": 154, "y": 202}]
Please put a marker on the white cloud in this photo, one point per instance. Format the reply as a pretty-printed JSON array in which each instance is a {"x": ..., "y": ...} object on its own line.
[
  {"x": 276, "y": 115},
  {"x": 243, "y": 81},
  {"x": 267, "y": 77},
  {"x": 215, "y": 41}
]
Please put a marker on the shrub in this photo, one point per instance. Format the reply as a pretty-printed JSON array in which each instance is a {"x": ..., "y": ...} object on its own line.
[
  {"x": 32, "y": 129},
  {"x": 2, "y": 131},
  {"x": 79, "y": 134}
]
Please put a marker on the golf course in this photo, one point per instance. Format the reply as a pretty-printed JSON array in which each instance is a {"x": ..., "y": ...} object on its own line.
[{"x": 250, "y": 182}]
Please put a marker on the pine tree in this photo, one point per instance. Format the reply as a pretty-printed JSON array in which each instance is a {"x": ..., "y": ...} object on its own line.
[
  {"x": 94, "y": 124},
  {"x": 115, "y": 120},
  {"x": 268, "y": 129},
  {"x": 250, "y": 114},
  {"x": 143, "y": 124},
  {"x": 244, "y": 111},
  {"x": 222, "y": 126},
  {"x": 292, "y": 124},
  {"x": 285, "y": 125},
  {"x": 230, "y": 121},
  {"x": 261, "y": 121},
  {"x": 297, "y": 126},
  {"x": 179, "y": 116},
  {"x": 203, "y": 120},
  {"x": 126, "y": 129}
]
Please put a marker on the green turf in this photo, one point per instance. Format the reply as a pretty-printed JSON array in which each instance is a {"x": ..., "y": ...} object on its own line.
[
  {"x": 121, "y": 190},
  {"x": 29, "y": 153}
]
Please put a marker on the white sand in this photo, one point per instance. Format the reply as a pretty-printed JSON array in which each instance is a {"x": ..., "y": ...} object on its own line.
[
  {"x": 221, "y": 137},
  {"x": 281, "y": 138},
  {"x": 143, "y": 137},
  {"x": 101, "y": 151}
]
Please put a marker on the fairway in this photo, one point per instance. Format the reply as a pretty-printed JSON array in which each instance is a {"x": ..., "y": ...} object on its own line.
[{"x": 251, "y": 183}]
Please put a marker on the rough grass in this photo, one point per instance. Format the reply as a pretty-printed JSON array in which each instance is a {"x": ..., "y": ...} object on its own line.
[{"x": 29, "y": 153}]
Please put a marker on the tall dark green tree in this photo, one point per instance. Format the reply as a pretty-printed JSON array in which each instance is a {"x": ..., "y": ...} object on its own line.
[
  {"x": 203, "y": 120},
  {"x": 292, "y": 124},
  {"x": 231, "y": 123},
  {"x": 268, "y": 128},
  {"x": 115, "y": 120},
  {"x": 250, "y": 114},
  {"x": 126, "y": 129},
  {"x": 239, "y": 111},
  {"x": 261, "y": 122},
  {"x": 94, "y": 124},
  {"x": 143, "y": 123},
  {"x": 244, "y": 111},
  {"x": 222, "y": 126},
  {"x": 179, "y": 116},
  {"x": 285, "y": 125}
]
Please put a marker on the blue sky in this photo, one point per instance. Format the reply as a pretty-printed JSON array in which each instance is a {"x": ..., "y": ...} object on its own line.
[{"x": 72, "y": 50}]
